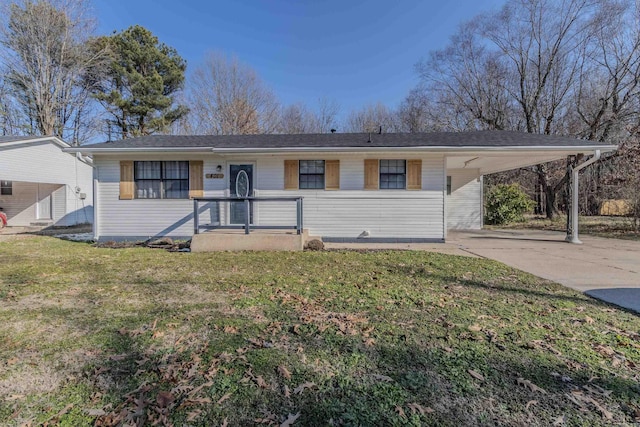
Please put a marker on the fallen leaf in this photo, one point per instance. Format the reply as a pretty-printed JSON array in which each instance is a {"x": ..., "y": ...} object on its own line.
[
  {"x": 531, "y": 386},
  {"x": 230, "y": 330},
  {"x": 476, "y": 375},
  {"x": 225, "y": 423},
  {"x": 559, "y": 421},
  {"x": 290, "y": 420},
  {"x": 165, "y": 399},
  {"x": 287, "y": 393},
  {"x": 95, "y": 412},
  {"x": 302, "y": 387},
  {"x": 400, "y": 411},
  {"x": 475, "y": 327},
  {"x": 369, "y": 342},
  {"x": 282, "y": 370},
  {"x": 595, "y": 389},
  {"x": 193, "y": 415},
  {"x": 589, "y": 320},
  {"x": 531, "y": 403},
  {"x": 223, "y": 398},
  {"x": 261, "y": 382},
  {"x": 415, "y": 407}
]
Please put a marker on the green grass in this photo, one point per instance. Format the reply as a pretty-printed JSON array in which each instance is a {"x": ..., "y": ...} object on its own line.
[
  {"x": 613, "y": 227},
  {"x": 96, "y": 336}
]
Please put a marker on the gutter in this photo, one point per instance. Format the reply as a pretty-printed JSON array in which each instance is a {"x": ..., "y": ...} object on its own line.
[
  {"x": 258, "y": 150},
  {"x": 88, "y": 149},
  {"x": 572, "y": 234}
]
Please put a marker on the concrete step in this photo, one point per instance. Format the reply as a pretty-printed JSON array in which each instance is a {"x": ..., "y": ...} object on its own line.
[{"x": 259, "y": 240}]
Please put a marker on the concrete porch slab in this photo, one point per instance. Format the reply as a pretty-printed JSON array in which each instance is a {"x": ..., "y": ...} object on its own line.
[{"x": 258, "y": 240}]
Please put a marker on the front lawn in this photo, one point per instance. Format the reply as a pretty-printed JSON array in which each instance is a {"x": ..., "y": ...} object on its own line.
[{"x": 97, "y": 336}]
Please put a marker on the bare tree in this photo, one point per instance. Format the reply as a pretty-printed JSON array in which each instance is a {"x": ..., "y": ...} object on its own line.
[
  {"x": 298, "y": 118},
  {"x": 520, "y": 69},
  {"x": 372, "y": 118},
  {"x": 9, "y": 115},
  {"x": 227, "y": 97},
  {"x": 414, "y": 113},
  {"x": 326, "y": 114},
  {"x": 45, "y": 58}
]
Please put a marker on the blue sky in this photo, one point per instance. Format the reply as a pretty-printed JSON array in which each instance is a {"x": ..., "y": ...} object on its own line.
[{"x": 355, "y": 52}]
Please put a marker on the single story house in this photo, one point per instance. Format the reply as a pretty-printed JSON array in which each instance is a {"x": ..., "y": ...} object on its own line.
[
  {"x": 42, "y": 185},
  {"x": 380, "y": 187}
]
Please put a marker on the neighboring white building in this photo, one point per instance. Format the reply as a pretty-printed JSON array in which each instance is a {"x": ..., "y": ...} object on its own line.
[
  {"x": 382, "y": 187},
  {"x": 42, "y": 185}
]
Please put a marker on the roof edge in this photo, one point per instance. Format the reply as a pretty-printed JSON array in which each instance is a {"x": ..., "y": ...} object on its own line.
[{"x": 439, "y": 148}]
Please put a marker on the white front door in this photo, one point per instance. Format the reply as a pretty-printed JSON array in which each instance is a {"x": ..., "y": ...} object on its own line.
[{"x": 44, "y": 203}]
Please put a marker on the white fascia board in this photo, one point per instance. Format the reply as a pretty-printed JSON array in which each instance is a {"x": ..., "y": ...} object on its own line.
[
  {"x": 89, "y": 150},
  {"x": 53, "y": 139},
  {"x": 440, "y": 149}
]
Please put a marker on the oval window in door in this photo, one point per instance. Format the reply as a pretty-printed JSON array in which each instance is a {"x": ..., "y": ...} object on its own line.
[{"x": 242, "y": 184}]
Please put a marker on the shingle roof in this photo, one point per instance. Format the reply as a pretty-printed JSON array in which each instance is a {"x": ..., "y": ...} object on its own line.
[
  {"x": 346, "y": 140},
  {"x": 4, "y": 139}
]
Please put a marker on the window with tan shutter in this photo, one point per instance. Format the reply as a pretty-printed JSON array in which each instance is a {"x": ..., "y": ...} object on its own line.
[
  {"x": 332, "y": 174},
  {"x": 311, "y": 174},
  {"x": 393, "y": 174}
]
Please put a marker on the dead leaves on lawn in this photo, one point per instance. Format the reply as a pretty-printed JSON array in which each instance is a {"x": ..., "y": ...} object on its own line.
[
  {"x": 313, "y": 313},
  {"x": 476, "y": 375},
  {"x": 531, "y": 386},
  {"x": 290, "y": 420}
]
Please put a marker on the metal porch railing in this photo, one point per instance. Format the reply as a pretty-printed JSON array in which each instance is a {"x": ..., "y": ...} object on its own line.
[{"x": 248, "y": 203}]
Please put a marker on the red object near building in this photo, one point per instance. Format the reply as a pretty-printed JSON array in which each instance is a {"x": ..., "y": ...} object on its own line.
[{"x": 3, "y": 219}]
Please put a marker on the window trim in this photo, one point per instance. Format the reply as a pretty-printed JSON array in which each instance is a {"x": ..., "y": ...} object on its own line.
[
  {"x": 6, "y": 190},
  {"x": 380, "y": 173},
  {"x": 162, "y": 180},
  {"x": 323, "y": 174}
]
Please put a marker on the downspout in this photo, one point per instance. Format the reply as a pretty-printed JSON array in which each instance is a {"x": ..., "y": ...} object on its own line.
[{"x": 572, "y": 235}]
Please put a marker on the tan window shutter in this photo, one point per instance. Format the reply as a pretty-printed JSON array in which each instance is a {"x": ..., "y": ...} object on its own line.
[
  {"x": 371, "y": 174},
  {"x": 196, "y": 187},
  {"x": 414, "y": 174},
  {"x": 332, "y": 174},
  {"x": 126, "y": 180},
  {"x": 290, "y": 174}
]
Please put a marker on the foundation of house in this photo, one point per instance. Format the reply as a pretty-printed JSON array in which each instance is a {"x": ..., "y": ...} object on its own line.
[{"x": 258, "y": 240}]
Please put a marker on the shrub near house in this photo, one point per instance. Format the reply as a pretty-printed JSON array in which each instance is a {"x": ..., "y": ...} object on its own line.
[{"x": 506, "y": 203}]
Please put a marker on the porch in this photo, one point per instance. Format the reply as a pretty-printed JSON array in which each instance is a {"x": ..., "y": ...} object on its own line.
[{"x": 243, "y": 232}]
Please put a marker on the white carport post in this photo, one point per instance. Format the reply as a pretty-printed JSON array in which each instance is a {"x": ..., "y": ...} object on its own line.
[{"x": 572, "y": 236}]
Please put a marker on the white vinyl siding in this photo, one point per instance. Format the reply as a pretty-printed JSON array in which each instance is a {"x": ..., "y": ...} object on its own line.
[
  {"x": 145, "y": 218},
  {"x": 39, "y": 170},
  {"x": 351, "y": 210},
  {"x": 464, "y": 205},
  {"x": 345, "y": 213}
]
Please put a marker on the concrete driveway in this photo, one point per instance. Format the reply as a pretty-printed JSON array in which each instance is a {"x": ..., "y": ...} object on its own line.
[{"x": 607, "y": 269}]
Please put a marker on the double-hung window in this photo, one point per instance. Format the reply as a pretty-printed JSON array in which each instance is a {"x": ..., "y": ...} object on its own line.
[
  {"x": 311, "y": 174},
  {"x": 393, "y": 174},
  {"x": 6, "y": 188},
  {"x": 161, "y": 180}
]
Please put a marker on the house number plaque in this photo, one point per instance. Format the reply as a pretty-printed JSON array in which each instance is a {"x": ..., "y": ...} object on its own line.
[{"x": 214, "y": 175}]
